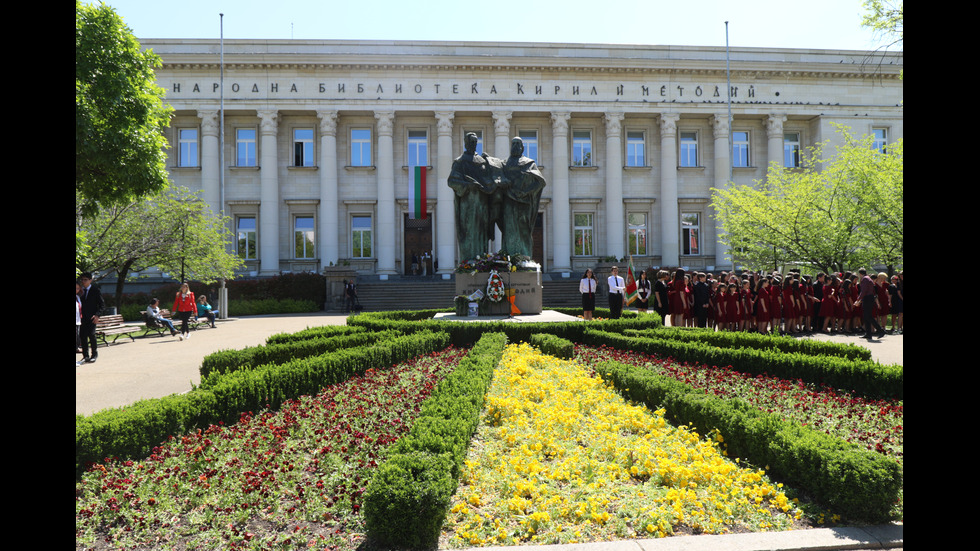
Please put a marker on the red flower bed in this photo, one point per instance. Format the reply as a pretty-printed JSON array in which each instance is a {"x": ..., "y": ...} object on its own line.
[
  {"x": 875, "y": 424},
  {"x": 283, "y": 479}
]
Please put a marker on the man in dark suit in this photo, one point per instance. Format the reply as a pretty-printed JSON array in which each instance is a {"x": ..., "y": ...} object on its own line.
[
  {"x": 92, "y": 306},
  {"x": 702, "y": 294}
]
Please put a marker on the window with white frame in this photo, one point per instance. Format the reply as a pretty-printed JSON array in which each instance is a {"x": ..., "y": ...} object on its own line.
[
  {"x": 791, "y": 149},
  {"x": 361, "y": 236},
  {"x": 418, "y": 148},
  {"x": 690, "y": 233},
  {"x": 740, "y": 149},
  {"x": 304, "y": 233},
  {"x": 581, "y": 148},
  {"x": 636, "y": 228},
  {"x": 635, "y": 149},
  {"x": 880, "y": 140},
  {"x": 246, "y": 233},
  {"x": 583, "y": 234},
  {"x": 360, "y": 147},
  {"x": 303, "y": 147},
  {"x": 245, "y": 152},
  {"x": 689, "y": 149},
  {"x": 187, "y": 147},
  {"x": 530, "y": 139}
]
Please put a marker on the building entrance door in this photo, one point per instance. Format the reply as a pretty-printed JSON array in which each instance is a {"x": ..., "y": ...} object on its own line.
[{"x": 418, "y": 242}]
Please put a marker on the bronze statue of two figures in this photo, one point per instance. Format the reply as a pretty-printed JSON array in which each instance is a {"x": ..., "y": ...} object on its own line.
[{"x": 491, "y": 191}]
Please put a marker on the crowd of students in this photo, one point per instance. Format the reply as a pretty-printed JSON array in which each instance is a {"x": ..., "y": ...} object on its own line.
[{"x": 776, "y": 303}]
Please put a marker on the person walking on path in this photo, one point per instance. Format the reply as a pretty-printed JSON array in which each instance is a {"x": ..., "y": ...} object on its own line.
[
  {"x": 92, "y": 306},
  {"x": 184, "y": 307}
]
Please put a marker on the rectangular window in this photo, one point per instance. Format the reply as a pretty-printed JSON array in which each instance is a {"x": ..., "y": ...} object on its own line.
[
  {"x": 691, "y": 233},
  {"x": 361, "y": 236},
  {"x": 247, "y": 244},
  {"x": 583, "y": 234},
  {"x": 187, "y": 147},
  {"x": 880, "y": 142},
  {"x": 360, "y": 147},
  {"x": 689, "y": 149},
  {"x": 740, "y": 149},
  {"x": 304, "y": 233},
  {"x": 530, "y": 139},
  {"x": 418, "y": 148},
  {"x": 791, "y": 149},
  {"x": 581, "y": 148},
  {"x": 245, "y": 147},
  {"x": 303, "y": 147},
  {"x": 637, "y": 233},
  {"x": 635, "y": 149}
]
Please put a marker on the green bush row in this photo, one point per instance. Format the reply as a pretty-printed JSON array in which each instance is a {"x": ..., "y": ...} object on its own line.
[
  {"x": 553, "y": 346},
  {"x": 226, "y": 361},
  {"x": 465, "y": 334},
  {"x": 408, "y": 497},
  {"x": 258, "y": 307},
  {"x": 741, "y": 339},
  {"x": 313, "y": 333},
  {"x": 862, "y": 377},
  {"x": 858, "y": 483},
  {"x": 132, "y": 431}
]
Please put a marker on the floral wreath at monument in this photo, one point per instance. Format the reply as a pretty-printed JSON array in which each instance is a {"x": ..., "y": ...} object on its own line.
[
  {"x": 495, "y": 287},
  {"x": 499, "y": 261}
]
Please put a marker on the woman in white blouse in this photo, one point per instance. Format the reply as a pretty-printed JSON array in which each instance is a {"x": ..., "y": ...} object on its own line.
[{"x": 588, "y": 287}]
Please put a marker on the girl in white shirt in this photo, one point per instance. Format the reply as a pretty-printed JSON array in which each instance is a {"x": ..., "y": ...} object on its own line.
[{"x": 588, "y": 287}]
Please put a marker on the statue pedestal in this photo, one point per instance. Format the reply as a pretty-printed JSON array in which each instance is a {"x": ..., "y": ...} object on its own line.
[{"x": 526, "y": 285}]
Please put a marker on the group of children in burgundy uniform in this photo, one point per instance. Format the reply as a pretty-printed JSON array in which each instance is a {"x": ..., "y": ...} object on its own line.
[{"x": 775, "y": 303}]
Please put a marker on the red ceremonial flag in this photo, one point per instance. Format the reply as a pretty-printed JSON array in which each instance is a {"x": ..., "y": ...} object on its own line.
[
  {"x": 630, "y": 283},
  {"x": 416, "y": 194}
]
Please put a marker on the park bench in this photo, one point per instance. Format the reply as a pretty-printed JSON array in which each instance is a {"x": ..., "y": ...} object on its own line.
[{"x": 113, "y": 325}]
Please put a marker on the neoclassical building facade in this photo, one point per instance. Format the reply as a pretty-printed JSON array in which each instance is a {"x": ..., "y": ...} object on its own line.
[{"x": 321, "y": 138}]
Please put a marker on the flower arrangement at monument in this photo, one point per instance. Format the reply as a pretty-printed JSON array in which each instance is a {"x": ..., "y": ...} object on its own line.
[{"x": 499, "y": 261}]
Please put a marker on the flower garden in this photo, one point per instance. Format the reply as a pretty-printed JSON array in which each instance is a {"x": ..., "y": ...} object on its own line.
[{"x": 401, "y": 431}]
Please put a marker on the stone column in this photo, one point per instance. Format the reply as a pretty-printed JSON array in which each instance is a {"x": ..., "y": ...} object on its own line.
[
  {"x": 210, "y": 159},
  {"x": 328, "y": 236},
  {"x": 501, "y": 149},
  {"x": 560, "y": 209},
  {"x": 445, "y": 235},
  {"x": 269, "y": 195},
  {"x": 615, "y": 221},
  {"x": 386, "y": 214},
  {"x": 723, "y": 163},
  {"x": 669, "y": 217},
  {"x": 774, "y": 134}
]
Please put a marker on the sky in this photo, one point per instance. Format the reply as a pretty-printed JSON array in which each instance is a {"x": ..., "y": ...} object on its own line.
[{"x": 828, "y": 24}]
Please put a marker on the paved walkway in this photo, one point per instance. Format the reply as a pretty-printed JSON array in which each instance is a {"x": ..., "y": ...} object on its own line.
[{"x": 157, "y": 366}]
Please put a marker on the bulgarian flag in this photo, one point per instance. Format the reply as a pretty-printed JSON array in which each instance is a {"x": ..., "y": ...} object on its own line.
[
  {"x": 416, "y": 194},
  {"x": 630, "y": 283}
]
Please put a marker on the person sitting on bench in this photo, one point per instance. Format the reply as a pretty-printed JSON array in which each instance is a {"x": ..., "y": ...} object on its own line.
[{"x": 153, "y": 316}]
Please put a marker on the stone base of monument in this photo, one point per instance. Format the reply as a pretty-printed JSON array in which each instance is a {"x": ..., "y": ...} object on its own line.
[{"x": 526, "y": 285}]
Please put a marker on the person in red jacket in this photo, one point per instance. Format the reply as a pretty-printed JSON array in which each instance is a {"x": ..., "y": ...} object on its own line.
[{"x": 184, "y": 307}]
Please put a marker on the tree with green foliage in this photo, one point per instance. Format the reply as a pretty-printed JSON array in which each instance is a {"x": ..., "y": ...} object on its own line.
[
  {"x": 120, "y": 115},
  {"x": 174, "y": 231},
  {"x": 834, "y": 214}
]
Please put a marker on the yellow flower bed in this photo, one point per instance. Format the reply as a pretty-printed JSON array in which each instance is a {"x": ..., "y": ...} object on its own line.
[{"x": 562, "y": 458}]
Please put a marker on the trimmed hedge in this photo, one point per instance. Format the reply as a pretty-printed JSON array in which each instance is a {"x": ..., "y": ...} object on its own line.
[
  {"x": 553, "y": 346},
  {"x": 859, "y": 376},
  {"x": 227, "y": 361},
  {"x": 857, "y": 483},
  {"x": 466, "y": 333},
  {"x": 132, "y": 431},
  {"x": 406, "y": 501},
  {"x": 741, "y": 339}
]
